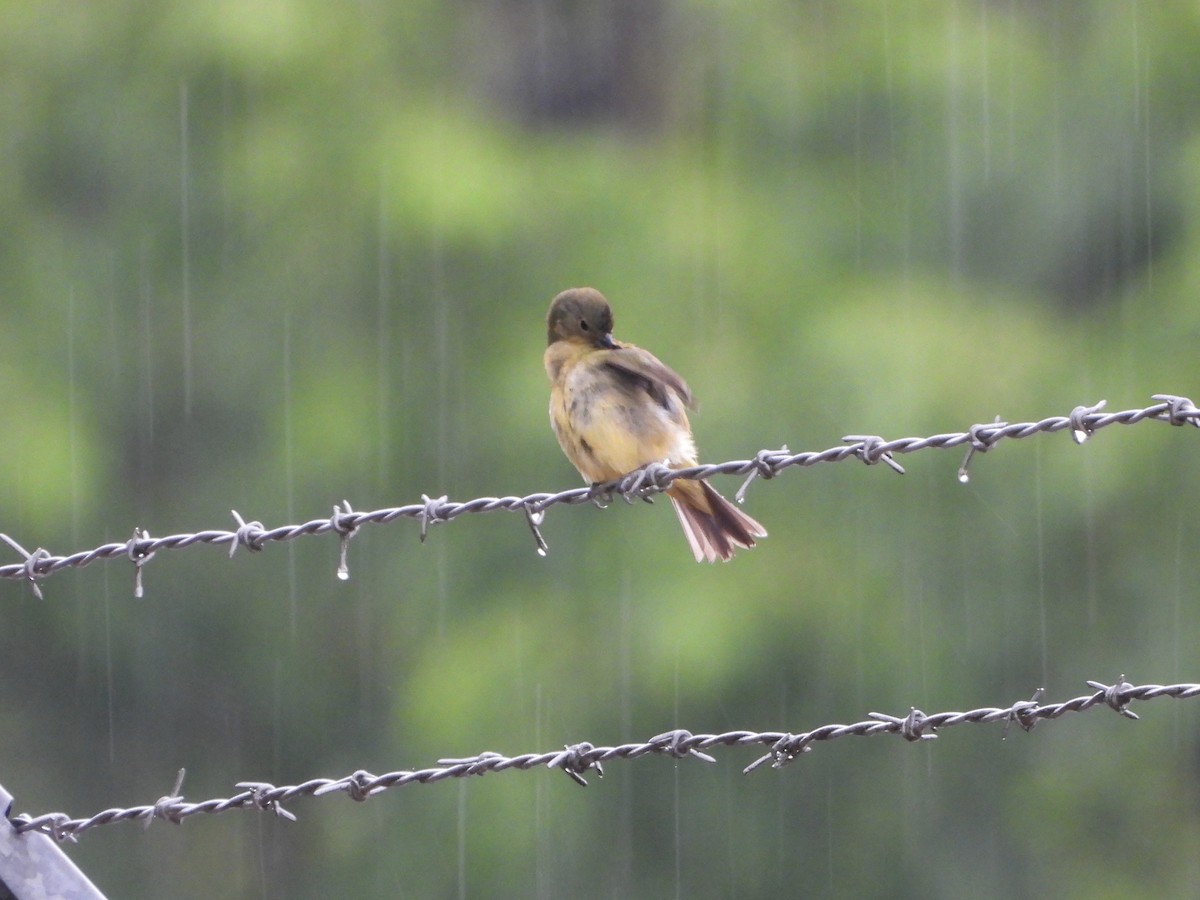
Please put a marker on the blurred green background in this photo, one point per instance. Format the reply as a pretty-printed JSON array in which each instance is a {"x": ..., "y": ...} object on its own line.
[{"x": 271, "y": 256}]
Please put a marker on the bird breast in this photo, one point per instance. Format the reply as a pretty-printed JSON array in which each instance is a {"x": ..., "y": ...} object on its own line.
[{"x": 609, "y": 425}]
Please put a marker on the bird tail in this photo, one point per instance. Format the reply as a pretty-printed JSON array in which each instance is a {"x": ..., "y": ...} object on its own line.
[{"x": 714, "y": 527}]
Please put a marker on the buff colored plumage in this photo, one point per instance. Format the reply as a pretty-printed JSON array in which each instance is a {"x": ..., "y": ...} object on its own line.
[{"x": 615, "y": 407}]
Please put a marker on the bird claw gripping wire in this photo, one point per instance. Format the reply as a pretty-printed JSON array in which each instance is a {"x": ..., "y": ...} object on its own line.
[
  {"x": 1081, "y": 428},
  {"x": 601, "y": 494},
  {"x": 1023, "y": 713},
  {"x": 1114, "y": 696},
  {"x": 1180, "y": 410},
  {"x": 652, "y": 478},
  {"x": 872, "y": 450},
  {"x": 344, "y": 522},
  {"x": 575, "y": 759},
  {"x": 763, "y": 468}
]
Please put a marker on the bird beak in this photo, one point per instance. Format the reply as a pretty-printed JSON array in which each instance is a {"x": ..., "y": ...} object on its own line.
[{"x": 607, "y": 342}]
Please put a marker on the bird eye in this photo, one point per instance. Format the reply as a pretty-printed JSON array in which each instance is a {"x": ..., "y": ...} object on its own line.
[{"x": 583, "y": 325}]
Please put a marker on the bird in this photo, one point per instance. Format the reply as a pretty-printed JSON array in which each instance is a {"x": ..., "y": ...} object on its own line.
[{"x": 615, "y": 408}]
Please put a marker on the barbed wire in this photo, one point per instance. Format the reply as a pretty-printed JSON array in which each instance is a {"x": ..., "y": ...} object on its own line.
[
  {"x": 643, "y": 484},
  {"x": 578, "y": 759}
]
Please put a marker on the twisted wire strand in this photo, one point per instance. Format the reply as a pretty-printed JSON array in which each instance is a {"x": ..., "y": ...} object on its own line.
[
  {"x": 578, "y": 759},
  {"x": 655, "y": 478}
]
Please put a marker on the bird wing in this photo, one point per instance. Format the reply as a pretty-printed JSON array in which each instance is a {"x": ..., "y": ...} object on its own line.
[{"x": 640, "y": 368}]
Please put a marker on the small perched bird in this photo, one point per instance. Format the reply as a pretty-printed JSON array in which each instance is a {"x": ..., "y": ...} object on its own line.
[{"x": 615, "y": 408}]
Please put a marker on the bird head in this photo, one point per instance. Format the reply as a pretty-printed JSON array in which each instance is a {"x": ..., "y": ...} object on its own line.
[{"x": 581, "y": 316}]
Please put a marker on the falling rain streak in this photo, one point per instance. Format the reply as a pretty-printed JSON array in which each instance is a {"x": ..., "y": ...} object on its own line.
[{"x": 185, "y": 251}]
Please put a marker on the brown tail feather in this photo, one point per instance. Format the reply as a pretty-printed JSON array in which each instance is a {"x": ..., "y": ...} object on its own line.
[{"x": 714, "y": 527}]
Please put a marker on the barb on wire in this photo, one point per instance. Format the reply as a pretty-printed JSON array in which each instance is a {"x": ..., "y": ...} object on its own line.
[
  {"x": 1083, "y": 422},
  {"x": 578, "y": 759},
  {"x": 139, "y": 557},
  {"x": 345, "y": 530},
  {"x": 28, "y": 569}
]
